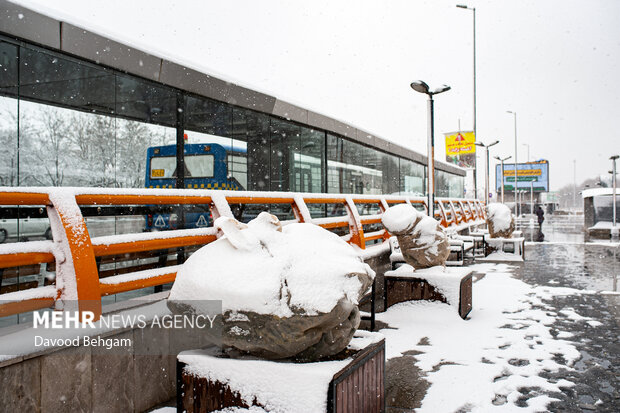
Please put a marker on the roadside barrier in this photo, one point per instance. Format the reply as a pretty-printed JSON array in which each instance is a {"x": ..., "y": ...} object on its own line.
[{"x": 75, "y": 255}]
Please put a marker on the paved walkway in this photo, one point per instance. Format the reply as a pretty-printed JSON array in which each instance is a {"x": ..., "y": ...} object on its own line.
[{"x": 570, "y": 263}]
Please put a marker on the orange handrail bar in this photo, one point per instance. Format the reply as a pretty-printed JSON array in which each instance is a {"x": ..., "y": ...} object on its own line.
[{"x": 74, "y": 241}]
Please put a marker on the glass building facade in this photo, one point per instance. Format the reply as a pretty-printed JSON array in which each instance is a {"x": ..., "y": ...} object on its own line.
[{"x": 65, "y": 121}]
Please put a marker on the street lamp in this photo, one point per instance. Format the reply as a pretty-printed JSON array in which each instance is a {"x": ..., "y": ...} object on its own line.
[
  {"x": 502, "y": 176},
  {"x": 473, "y": 9},
  {"x": 422, "y": 87},
  {"x": 528, "y": 150},
  {"x": 516, "y": 163},
  {"x": 486, "y": 176},
  {"x": 614, "y": 230}
]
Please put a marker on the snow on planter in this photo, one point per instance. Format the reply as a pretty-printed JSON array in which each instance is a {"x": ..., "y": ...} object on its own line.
[
  {"x": 280, "y": 387},
  {"x": 422, "y": 240},
  {"x": 500, "y": 221},
  {"x": 286, "y": 291}
]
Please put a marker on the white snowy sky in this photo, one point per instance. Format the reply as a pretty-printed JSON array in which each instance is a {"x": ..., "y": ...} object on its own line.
[{"x": 554, "y": 62}]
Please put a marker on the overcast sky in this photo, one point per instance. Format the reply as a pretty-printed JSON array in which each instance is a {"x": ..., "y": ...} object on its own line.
[{"x": 556, "y": 63}]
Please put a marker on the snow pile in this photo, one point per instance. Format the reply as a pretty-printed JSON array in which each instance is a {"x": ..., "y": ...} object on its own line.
[
  {"x": 480, "y": 364},
  {"x": 264, "y": 268},
  {"x": 400, "y": 218},
  {"x": 500, "y": 220}
]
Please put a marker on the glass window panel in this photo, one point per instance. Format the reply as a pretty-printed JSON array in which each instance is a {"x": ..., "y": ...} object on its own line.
[
  {"x": 253, "y": 129},
  {"x": 310, "y": 161},
  {"x": 8, "y": 69},
  {"x": 411, "y": 177},
  {"x": 208, "y": 116},
  {"x": 62, "y": 147},
  {"x": 353, "y": 168},
  {"x": 133, "y": 140},
  {"x": 389, "y": 168},
  {"x": 8, "y": 115},
  {"x": 142, "y": 100},
  {"x": 284, "y": 143},
  {"x": 335, "y": 164},
  {"x": 48, "y": 78},
  {"x": 361, "y": 169}
]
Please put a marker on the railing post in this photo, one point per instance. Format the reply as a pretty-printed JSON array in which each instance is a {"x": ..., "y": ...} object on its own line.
[
  {"x": 444, "y": 217},
  {"x": 77, "y": 278},
  {"x": 383, "y": 205},
  {"x": 462, "y": 207},
  {"x": 300, "y": 209},
  {"x": 455, "y": 215},
  {"x": 355, "y": 224}
]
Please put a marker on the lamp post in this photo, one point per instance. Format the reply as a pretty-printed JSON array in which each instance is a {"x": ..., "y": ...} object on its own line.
[
  {"x": 528, "y": 150},
  {"x": 502, "y": 176},
  {"x": 486, "y": 175},
  {"x": 422, "y": 87},
  {"x": 613, "y": 203},
  {"x": 473, "y": 9},
  {"x": 516, "y": 163}
]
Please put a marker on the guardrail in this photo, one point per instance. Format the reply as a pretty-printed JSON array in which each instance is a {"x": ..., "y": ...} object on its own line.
[{"x": 75, "y": 254}]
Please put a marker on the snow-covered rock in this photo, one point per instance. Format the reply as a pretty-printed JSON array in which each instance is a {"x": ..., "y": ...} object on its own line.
[
  {"x": 422, "y": 239},
  {"x": 285, "y": 291},
  {"x": 500, "y": 221}
]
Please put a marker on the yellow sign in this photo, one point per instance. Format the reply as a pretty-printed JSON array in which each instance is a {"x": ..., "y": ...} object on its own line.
[
  {"x": 460, "y": 143},
  {"x": 157, "y": 173},
  {"x": 523, "y": 172}
]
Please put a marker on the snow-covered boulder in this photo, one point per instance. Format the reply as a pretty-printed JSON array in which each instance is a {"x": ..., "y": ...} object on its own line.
[
  {"x": 422, "y": 239},
  {"x": 500, "y": 221},
  {"x": 286, "y": 291}
]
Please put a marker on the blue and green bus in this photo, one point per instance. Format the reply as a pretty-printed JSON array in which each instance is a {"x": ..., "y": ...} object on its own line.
[{"x": 207, "y": 166}]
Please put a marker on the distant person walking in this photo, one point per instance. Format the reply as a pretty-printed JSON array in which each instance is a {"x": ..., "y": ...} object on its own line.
[{"x": 541, "y": 215}]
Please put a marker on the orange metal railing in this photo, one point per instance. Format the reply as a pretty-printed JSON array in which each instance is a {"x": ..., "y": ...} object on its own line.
[{"x": 75, "y": 252}]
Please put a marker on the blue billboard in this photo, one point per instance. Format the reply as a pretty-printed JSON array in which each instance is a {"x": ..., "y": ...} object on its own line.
[{"x": 528, "y": 174}]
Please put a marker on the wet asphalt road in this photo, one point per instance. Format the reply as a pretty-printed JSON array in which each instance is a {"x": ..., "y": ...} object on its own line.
[{"x": 571, "y": 263}]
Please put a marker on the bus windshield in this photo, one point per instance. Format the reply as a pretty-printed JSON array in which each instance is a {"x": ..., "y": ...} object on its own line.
[{"x": 196, "y": 166}]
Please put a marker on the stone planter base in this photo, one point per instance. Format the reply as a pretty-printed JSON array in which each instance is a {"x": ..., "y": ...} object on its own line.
[
  {"x": 356, "y": 387},
  {"x": 400, "y": 288}
]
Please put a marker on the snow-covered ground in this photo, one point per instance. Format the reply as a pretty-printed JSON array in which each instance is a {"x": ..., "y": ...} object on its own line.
[{"x": 479, "y": 364}]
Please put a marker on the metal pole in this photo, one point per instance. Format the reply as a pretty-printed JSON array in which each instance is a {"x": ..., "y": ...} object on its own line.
[
  {"x": 516, "y": 165},
  {"x": 613, "y": 184},
  {"x": 486, "y": 179},
  {"x": 475, "y": 130},
  {"x": 532, "y": 198},
  {"x": 502, "y": 181},
  {"x": 430, "y": 181}
]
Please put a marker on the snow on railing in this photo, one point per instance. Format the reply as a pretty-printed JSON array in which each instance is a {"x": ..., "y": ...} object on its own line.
[{"x": 75, "y": 253}]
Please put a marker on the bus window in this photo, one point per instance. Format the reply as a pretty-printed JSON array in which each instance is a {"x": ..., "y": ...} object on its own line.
[
  {"x": 196, "y": 166},
  {"x": 199, "y": 166},
  {"x": 163, "y": 166}
]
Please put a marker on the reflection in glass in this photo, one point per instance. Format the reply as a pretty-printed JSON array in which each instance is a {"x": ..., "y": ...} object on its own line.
[
  {"x": 208, "y": 116},
  {"x": 310, "y": 161},
  {"x": 141, "y": 100},
  {"x": 411, "y": 178},
  {"x": 253, "y": 129},
  {"x": 51, "y": 79},
  {"x": 285, "y": 141}
]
